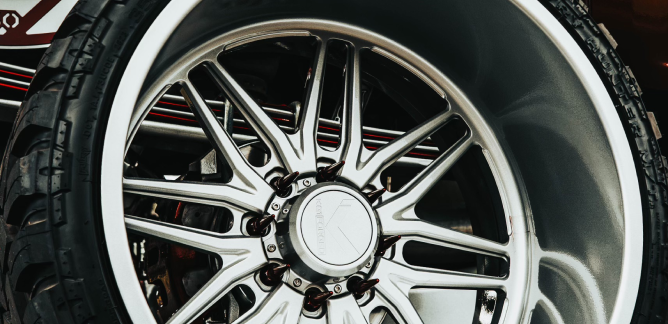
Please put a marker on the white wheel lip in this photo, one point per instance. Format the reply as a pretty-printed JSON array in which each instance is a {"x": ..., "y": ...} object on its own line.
[
  {"x": 111, "y": 186},
  {"x": 621, "y": 150},
  {"x": 168, "y": 20}
]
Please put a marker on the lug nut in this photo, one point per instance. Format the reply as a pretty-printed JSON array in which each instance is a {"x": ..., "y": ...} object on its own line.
[
  {"x": 272, "y": 274},
  {"x": 315, "y": 298},
  {"x": 282, "y": 184},
  {"x": 329, "y": 173},
  {"x": 386, "y": 244},
  {"x": 358, "y": 287},
  {"x": 374, "y": 195},
  {"x": 257, "y": 225}
]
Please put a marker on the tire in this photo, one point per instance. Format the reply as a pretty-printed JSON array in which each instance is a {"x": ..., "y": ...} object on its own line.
[
  {"x": 54, "y": 263},
  {"x": 54, "y": 268}
]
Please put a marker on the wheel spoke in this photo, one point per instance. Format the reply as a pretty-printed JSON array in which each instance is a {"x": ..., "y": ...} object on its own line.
[
  {"x": 345, "y": 311},
  {"x": 260, "y": 297},
  {"x": 393, "y": 300},
  {"x": 221, "y": 283},
  {"x": 308, "y": 128},
  {"x": 206, "y": 241},
  {"x": 420, "y": 228},
  {"x": 218, "y": 194},
  {"x": 290, "y": 153},
  {"x": 411, "y": 193},
  {"x": 404, "y": 277},
  {"x": 396, "y": 281},
  {"x": 397, "y": 214},
  {"x": 241, "y": 256},
  {"x": 351, "y": 126},
  {"x": 391, "y": 152},
  {"x": 243, "y": 171},
  {"x": 282, "y": 306}
]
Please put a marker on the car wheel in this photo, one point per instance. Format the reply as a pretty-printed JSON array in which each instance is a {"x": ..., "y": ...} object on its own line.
[{"x": 200, "y": 161}]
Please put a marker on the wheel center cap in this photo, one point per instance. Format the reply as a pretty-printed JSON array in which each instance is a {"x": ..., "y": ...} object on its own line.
[
  {"x": 336, "y": 227},
  {"x": 332, "y": 232}
]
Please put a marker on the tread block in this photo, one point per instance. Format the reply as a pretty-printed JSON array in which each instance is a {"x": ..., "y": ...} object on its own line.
[
  {"x": 58, "y": 213},
  {"x": 655, "y": 125},
  {"x": 40, "y": 110},
  {"x": 41, "y": 308},
  {"x": 16, "y": 304},
  {"x": 73, "y": 88},
  {"x": 62, "y": 133},
  {"x": 75, "y": 290},
  {"x": 56, "y": 54},
  {"x": 29, "y": 259},
  {"x": 65, "y": 262},
  {"x": 26, "y": 178},
  {"x": 101, "y": 28}
]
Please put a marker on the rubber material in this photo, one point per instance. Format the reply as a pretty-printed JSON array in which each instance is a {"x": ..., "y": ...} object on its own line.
[
  {"x": 650, "y": 164},
  {"x": 54, "y": 263}
]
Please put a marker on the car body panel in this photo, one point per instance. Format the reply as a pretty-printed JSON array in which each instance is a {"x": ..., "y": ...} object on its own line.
[{"x": 31, "y": 23}]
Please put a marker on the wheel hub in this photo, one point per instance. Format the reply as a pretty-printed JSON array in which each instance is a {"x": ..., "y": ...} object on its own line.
[
  {"x": 332, "y": 231},
  {"x": 336, "y": 227}
]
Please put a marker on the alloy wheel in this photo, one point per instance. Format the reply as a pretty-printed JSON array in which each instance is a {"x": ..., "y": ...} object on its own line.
[{"x": 283, "y": 197}]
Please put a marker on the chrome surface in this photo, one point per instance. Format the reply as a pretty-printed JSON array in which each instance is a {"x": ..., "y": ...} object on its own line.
[
  {"x": 298, "y": 152},
  {"x": 342, "y": 212},
  {"x": 10, "y": 103},
  {"x": 196, "y": 133},
  {"x": 16, "y": 77},
  {"x": 8, "y": 110},
  {"x": 248, "y": 190},
  {"x": 14, "y": 80},
  {"x": 333, "y": 230},
  {"x": 17, "y": 69}
]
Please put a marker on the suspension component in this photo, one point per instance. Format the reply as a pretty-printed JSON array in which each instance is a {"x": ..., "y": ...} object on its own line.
[
  {"x": 329, "y": 173},
  {"x": 386, "y": 244},
  {"x": 257, "y": 225},
  {"x": 282, "y": 185},
  {"x": 357, "y": 286},
  {"x": 315, "y": 298},
  {"x": 374, "y": 195},
  {"x": 272, "y": 274}
]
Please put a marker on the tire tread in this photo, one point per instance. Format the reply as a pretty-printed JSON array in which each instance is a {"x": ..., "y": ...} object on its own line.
[{"x": 38, "y": 278}]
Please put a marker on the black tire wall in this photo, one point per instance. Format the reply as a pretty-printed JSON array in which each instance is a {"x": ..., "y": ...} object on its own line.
[{"x": 54, "y": 264}]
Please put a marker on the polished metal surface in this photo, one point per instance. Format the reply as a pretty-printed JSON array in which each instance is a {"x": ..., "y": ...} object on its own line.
[
  {"x": 16, "y": 68},
  {"x": 333, "y": 231},
  {"x": 8, "y": 110},
  {"x": 16, "y": 77},
  {"x": 549, "y": 264},
  {"x": 298, "y": 152},
  {"x": 196, "y": 133},
  {"x": 336, "y": 227}
]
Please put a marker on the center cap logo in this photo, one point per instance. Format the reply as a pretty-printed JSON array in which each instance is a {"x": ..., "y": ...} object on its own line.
[{"x": 336, "y": 227}]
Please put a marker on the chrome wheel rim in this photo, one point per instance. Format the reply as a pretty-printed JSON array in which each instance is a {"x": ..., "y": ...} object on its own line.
[{"x": 245, "y": 255}]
